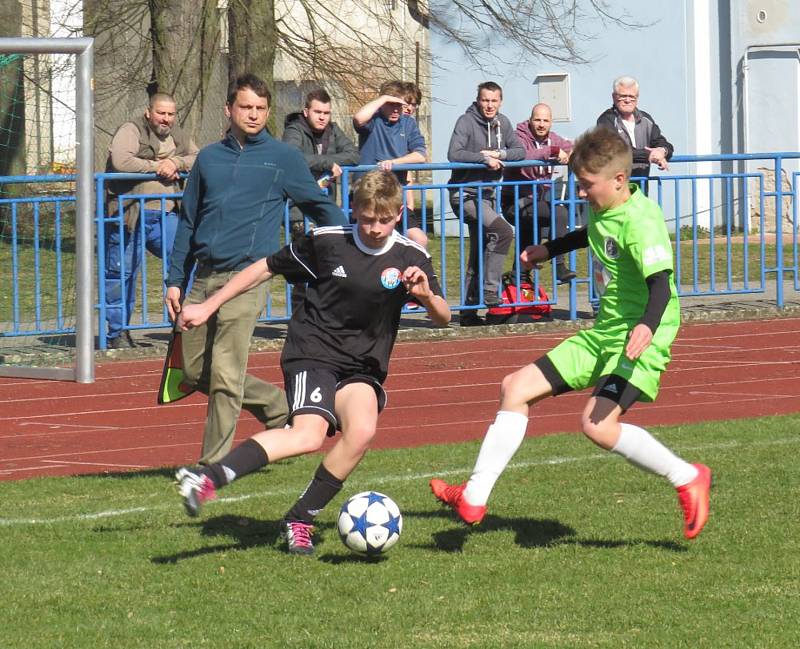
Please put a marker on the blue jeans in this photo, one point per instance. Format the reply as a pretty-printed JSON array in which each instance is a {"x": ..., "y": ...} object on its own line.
[{"x": 129, "y": 255}]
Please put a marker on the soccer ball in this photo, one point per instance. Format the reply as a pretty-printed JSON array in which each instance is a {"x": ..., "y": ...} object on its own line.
[{"x": 370, "y": 523}]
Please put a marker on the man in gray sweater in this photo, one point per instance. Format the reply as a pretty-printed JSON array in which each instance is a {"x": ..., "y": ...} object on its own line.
[{"x": 483, "y": 135}]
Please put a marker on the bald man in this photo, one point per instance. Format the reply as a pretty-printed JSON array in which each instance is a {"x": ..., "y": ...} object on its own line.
[{"x": 540, "y": 144}]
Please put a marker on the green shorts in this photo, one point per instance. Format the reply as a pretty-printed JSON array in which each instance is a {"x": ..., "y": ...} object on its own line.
[{"x": 583, "y": 358}]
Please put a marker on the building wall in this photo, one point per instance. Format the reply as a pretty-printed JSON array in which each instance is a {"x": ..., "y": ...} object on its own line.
[
  {"x": 655, "y": 54},
  {"x": 689, "y": 57},
  {"x": 765, "y": 41}
]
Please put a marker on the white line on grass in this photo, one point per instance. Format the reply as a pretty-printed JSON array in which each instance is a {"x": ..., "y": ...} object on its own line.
[{"x": 113, "y": 513}]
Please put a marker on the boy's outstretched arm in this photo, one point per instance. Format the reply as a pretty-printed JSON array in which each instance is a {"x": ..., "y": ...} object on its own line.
[
  {"x": 194, "y": 315},
  {"x": 365, "y": 113},
  {"x": 533, "y": 255},
  {"x": 416, "y": 283}
]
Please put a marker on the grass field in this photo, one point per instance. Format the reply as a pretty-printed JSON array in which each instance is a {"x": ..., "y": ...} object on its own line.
[{"x": 579, "y": 550}]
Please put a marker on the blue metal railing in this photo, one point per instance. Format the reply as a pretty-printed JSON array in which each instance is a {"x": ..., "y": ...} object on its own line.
[{"x": 718, "y": 221}]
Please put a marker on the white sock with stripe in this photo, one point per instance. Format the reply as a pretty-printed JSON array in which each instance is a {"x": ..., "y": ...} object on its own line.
[
  {"x": 643, "y": 450},
  {"x": 499, "y": 445}
]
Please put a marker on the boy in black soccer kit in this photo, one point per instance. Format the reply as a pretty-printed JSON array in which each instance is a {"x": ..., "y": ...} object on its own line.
[{"x": 337, "y": 349}]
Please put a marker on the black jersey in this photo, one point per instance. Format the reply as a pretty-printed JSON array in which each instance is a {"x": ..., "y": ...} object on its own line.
[{"x": 352, "y": 307}]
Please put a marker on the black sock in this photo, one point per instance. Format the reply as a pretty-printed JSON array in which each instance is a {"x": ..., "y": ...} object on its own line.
[
  {"x": 320, "y": 491},
  {"x": 249, "y": 456}
]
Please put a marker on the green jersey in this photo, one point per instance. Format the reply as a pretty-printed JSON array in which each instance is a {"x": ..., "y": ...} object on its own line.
[{"x": 629, "y": 243}]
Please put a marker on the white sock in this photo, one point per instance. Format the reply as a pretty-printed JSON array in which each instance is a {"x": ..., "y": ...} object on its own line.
[
  {"x": 499, "y": 445},
  {"x": 641, "y": 449}
]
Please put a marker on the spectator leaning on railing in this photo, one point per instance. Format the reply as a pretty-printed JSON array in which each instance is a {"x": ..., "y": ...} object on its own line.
[
  {"x": 323, "y": 144},
  {"x": 151, "y": 144},
  {"x": 483, "y": 135},
  {"x": 388, "y": 136},
  {"x": 540, "y": 144},
  {"x": 326, "y": 149},
  {"x": 637, "y": 128}
]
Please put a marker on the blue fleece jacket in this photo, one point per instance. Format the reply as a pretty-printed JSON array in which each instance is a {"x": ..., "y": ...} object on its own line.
[{"x": 233, "y": 204}]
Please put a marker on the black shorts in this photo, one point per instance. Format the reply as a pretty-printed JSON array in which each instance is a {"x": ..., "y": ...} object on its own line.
[
  {"x": 311, "y": 390},
  {"x": 611, "y": 386}
]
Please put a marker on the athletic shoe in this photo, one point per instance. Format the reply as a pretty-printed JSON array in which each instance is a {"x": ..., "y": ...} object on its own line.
[
  {"x": 564, "y": 275},
  {"x": 471, "y": 319},
  {"x": 196, "y": 489},
  {"x": 123, "y": 341},
  {"x": 453, "y": 497},
  {"x": 297, "y": 535},
  {"x": 693, "y": 498}
]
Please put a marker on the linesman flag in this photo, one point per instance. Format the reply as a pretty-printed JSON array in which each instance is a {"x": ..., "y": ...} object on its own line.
[{"x": 172, "y": 386}]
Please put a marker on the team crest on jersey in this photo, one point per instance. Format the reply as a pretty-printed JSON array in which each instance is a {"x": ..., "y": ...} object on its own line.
[
  {"x": 612, "y": 250},
  {"x": 390, "y": 278}
]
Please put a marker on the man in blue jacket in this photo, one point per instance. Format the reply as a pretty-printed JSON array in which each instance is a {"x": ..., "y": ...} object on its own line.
[{"x": 231, "y": 215}]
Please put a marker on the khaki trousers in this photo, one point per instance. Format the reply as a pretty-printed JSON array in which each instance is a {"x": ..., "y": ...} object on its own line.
[{"x": 215, "y": 363}]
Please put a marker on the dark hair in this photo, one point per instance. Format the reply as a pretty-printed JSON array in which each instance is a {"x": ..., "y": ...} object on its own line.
[
  {"x": 411, "y": 91},
  {"x": 601, "y": 150},
  {"x": 394, "y": 88},
  {"x": 490, "y": 86},
  {"x": 251, "y": 81},
  {"x": 320, "y": 94},
  {"x": 160, "y": 96}
]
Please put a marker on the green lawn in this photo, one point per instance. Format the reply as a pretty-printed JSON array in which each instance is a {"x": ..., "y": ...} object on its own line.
[{"x": 579, "y": 550}]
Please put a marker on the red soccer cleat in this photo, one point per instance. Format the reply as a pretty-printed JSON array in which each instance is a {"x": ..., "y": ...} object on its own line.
[
  {"x": 693, "y": 498},
  {"x": 453, "y": 496}
]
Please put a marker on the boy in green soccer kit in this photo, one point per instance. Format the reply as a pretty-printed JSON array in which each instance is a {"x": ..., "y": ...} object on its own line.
[{"x": 622, "y": 356}]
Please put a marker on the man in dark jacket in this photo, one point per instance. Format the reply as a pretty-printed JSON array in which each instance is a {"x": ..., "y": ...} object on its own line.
[
  {"x": 231, "y": 215},
  {"x": 637, "y": 128},
  {"x": 323, "y": 144},
  {"x": 483, "y": 135},
  {"x": 326, "y": 149}
]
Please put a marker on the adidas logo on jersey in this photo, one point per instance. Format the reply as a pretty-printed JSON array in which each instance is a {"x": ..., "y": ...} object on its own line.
[{"x": 339, "y": 272}]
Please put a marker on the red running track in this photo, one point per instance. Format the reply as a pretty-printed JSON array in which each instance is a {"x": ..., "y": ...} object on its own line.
[{"x": 439, "y": 391}]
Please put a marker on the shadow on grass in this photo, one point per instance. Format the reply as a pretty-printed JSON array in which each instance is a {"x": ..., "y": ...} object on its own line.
[
  {"x": 533, "y": 533},
  {"x": 610, "y": 544},
  {"x": 243, "y": 533},
  {"x": 167, "y": 472},
  {"x": 528, "y": 532}
]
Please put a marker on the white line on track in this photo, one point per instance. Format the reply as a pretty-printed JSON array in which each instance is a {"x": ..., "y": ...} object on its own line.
[{"x": 359, "y": 483}]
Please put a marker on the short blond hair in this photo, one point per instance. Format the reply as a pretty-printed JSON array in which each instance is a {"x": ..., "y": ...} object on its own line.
[
  {"x": 379, "y": 191},
  {"x": 601, "y": 150}
]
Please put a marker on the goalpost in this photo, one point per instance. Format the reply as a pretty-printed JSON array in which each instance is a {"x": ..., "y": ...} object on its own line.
[{"x": 82, "y": 369}]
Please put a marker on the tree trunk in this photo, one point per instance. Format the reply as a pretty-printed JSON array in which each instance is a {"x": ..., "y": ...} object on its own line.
[
  {"x": 252, "y": 38},
  {"x": 185, "y": 44},
  {"x": 12, "y": 97}
]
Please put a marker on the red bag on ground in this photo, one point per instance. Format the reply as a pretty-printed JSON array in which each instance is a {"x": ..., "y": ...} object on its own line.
[{"x": 505, "y": 313}]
